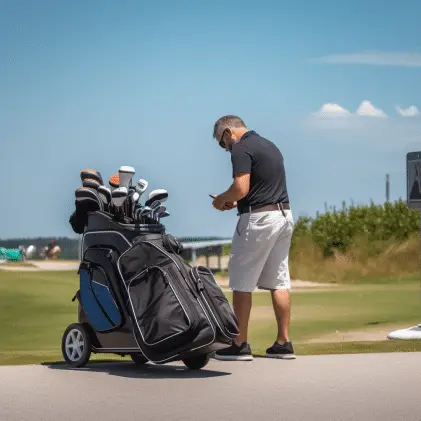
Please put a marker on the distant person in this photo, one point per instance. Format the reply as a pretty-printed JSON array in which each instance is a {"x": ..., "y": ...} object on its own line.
[
  {"x": 52, "y": 250},
  {"x": 261, "y": 242}
]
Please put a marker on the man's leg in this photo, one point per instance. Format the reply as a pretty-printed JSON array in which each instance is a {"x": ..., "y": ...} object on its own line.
[
  {"x": 282, "y": 307},
  {"x": 276, "y": 278},
  {"x": 242, "y": 306},
  {"x": 246, "y": 262}
]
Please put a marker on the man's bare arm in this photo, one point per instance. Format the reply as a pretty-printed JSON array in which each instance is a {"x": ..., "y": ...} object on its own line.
[{"x": 239, "y": 188}]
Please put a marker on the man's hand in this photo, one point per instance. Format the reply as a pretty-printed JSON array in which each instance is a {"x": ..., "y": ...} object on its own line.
[
  {"x": 221, "y": 204},
  {"x": 230, "y": 205}
]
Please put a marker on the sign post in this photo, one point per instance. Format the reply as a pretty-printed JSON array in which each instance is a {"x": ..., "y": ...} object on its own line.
[{"x": 413, "y": 193}]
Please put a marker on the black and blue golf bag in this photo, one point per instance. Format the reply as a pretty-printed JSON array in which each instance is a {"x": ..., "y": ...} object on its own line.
[{"x": 138, "y": 296}]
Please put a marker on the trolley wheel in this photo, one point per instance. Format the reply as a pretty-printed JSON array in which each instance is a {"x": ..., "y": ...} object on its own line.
[
  {"x": 197, "y": 362},
  {"x": 76, "y": 345},
  {"x": 139, "y": 358}
]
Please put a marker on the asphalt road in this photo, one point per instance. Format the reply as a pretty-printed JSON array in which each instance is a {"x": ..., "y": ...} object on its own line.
[{"x": 335, "y": 387}]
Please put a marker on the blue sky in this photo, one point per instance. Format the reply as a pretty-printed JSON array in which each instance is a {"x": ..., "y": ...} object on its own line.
[{"x": 102, "y": 84}]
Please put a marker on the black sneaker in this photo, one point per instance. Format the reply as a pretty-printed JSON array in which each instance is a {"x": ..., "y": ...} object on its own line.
[
  {"x": 284, "y": 351},
  {"x": 235, "y": 353}
]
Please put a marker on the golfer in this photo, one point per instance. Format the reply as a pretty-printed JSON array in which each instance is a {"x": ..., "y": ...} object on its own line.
[{"x": 262, "y": 238}]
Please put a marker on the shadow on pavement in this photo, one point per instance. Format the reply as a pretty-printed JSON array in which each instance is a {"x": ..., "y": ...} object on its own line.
[{"x": 146, "y": 371}]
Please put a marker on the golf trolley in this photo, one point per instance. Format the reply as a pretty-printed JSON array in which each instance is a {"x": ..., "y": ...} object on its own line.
[
  {"x": 137, "y": 296},
  {"x": 104, "y": 323}
]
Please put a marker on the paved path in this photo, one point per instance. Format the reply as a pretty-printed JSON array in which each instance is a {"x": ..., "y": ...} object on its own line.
[
  {"x": 40, "y": 265},
  {"x": 335, "y": 387}
]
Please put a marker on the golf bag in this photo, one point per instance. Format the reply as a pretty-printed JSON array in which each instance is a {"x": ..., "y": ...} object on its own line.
[{"x": 133, "y": 280}]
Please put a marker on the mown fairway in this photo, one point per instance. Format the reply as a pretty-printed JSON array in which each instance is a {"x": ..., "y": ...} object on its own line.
[{"x": 36, "y": 308}]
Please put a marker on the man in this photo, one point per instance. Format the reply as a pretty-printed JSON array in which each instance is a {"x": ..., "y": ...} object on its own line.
[{"x": 260, "y": 247}]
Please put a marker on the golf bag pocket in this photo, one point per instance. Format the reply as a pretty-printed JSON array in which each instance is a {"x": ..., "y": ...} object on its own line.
[
  {"x": 167, "y": 315},
  {"x": 161, "y": 312},
  {"x": 140, "y": 256},
  {"x": 217, "y": 304},
  {"x": 97, "y": 301}
]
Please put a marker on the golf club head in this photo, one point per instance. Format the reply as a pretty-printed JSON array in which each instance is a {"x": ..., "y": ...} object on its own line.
[
  {"x": 154, "y": 208},
  {"x": 91, "y": 182},
  {"x": 161, "y": 209},
  {"x": 114, "y": 181},
  {"x": 119, "y": 195},
  {"x": 141, "y": 186},
  {"x": 93, "y": 174},
  {"x": 155, "y": 205},
  {"x": 87, "y": 200},
  {"x": 126, "y": 174},
  {"x": 158, "y": 194},
  {"x": 101, "y": 181},
  {"x": 145, "y": 210},
  {"x": 164, "y": 214},
  {"x": 135, "y": 197},
  {"x": 159, "y": 212},
  {"x": 105, "y": 195}
]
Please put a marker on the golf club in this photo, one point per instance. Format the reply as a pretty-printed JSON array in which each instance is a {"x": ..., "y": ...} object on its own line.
[
  {"x": 160, "y": 210},
  {"x": 162, "y": 215},
  {"x": 138, "y": 214},
  {"x": 135, "y": 197},
  {"x": 105, "y": 195},
  {"x": 119, "y": 195},
  {"x": 131, "y": 202},
  {"x": 134, "y": 201},
  {"x": 93, "y": 174},
  {"x": 126, "y": 174},
  {"x": 154, "y": 207},
  {"x": 128, "y": 204},
  {"x": 141, "y": 186},
  {"x": 91, "y": 182},
  {"x": 143, "y": 212},
  {"x": 88, "y": 199},
  {"x": 114, "y": 181},
  {"x": 158, "y": 194}
]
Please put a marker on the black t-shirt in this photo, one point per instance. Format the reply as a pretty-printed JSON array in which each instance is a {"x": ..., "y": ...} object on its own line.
[{"x": 264, "y": 161}]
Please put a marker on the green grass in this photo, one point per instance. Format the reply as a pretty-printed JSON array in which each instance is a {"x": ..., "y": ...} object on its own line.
[{"x": 37, "y": 308}]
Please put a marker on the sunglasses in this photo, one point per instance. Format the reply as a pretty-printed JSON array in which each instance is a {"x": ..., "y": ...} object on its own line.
[{"x": 221, "y": 142}]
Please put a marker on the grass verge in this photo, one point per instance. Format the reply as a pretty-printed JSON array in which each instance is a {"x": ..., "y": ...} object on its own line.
[{"x": 37, "y": 308}]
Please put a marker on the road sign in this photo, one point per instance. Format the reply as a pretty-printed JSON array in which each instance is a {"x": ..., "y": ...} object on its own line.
[{"x": 413, "y": 180}]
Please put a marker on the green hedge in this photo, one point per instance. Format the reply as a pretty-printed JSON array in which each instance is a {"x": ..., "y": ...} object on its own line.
[{"x": 340, "y": 228}]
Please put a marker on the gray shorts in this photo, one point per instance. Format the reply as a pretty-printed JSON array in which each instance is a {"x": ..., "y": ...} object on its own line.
[{"x": 260, "y": 250}]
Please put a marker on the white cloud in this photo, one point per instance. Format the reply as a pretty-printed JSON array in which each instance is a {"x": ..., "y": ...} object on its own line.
[
  {"x": 367, "y": 109},
  {"x": 332, "y": 110},
  {"x": 375, "y": 58},
  {"x": 411, "y": 111}
]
